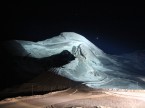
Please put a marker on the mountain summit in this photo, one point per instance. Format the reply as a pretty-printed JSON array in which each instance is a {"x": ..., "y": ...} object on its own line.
[{"x": 90, "y": 65}]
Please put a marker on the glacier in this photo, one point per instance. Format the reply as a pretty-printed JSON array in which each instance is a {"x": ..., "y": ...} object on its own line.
[{"x": 91, "y": 65}]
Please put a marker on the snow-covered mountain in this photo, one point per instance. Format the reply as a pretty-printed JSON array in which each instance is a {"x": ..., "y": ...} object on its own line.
[{"x": 91, "y": 65}]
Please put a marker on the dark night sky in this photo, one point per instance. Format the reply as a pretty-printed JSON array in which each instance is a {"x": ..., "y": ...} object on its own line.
[{"x": 120, "y": 26}]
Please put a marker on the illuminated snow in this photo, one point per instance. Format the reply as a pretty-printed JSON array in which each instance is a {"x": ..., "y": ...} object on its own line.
[{"x": 91, "y": 65}]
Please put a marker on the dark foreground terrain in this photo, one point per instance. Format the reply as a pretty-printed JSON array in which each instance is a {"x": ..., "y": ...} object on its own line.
[{"x": 79, "y": 98}]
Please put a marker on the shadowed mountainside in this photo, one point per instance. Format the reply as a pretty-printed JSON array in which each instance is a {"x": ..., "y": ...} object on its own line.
[
  {"x": 44, "y": 83},
  {"x": 21, "y": 73}
]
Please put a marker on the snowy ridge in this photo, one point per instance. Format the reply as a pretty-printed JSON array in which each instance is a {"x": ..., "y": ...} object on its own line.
[{"x": 91, "y": 65}]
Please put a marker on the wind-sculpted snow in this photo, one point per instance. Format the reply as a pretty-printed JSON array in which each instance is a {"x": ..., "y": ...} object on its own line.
[{"x": 91, "y": 66}]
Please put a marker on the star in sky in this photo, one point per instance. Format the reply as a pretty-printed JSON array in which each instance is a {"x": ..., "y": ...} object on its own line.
[{"x": 97, "y": 38}]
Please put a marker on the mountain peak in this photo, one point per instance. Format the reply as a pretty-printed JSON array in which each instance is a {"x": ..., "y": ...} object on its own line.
[{"x": 90, "y": 64}]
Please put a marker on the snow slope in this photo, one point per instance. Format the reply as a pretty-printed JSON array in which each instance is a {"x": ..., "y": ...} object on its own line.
[{"x": 91, "y": 66}]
